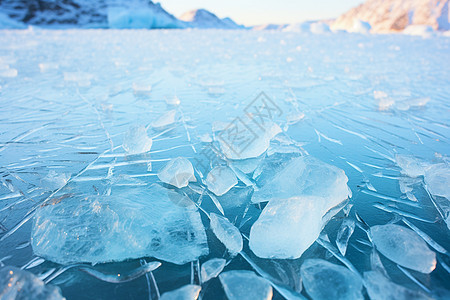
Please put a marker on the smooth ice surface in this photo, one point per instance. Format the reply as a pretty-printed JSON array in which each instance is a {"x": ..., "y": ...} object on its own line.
[
  {"x": 177, "y": 172},
  {"x": 306, "y": 176},
  {"x": 129, "y": 223},
  {"x": 20, "y": 284},
  {"x": 381, "y": 288},
  {"x": 245, "y": 285},
  {"x": 227, "y": 233},
  {"x": 187, "y": 292},
  {"x": 220, "y": 180},
  {"x": 136, "y": 141},
  {"x": 212, "y": 268},
  {"x": 324, "y": 280},
  {"x": 404, "y": 247}
]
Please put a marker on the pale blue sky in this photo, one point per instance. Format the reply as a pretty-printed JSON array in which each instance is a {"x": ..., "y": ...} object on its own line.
[{"x": 254, "y": 12}]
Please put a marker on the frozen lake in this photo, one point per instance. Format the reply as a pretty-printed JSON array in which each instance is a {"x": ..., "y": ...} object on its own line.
[{"x": 92, "y": 120}]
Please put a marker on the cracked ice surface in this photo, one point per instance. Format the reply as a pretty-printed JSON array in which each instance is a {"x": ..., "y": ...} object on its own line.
[{"x": 95, "y": 125}]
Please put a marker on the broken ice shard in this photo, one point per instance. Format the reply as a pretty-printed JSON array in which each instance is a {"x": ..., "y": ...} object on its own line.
[
  {"x": 212, "y": 268},
  {"x": 220, "y": 180},
  {"x": 178, "y": 172},
  {"x": 411, "y": 166},
  {"x": 129, "y": 223},
  {"x": 344, "y": 234},
  {"x": 324, "y": 280},
  {"x": 380, "y": 288},
  {"x": 437, "y": 178},
  {"x": 301, "y": 201},
  {"x": 247, "y": 285},
  {"x": 54, "y": 181},
  {"x": 227, "y": 233},
  {"x": 404, "y": 247},
  {"x": 187, "y": 292},
  {"x": 165, "y": 120},
  {"x": 242, "y": 140},
  {"x": 19, "y": 284},
  {"x": 305, "y": 176},
  {"x": 287, "y": 227},
  {"x": 136, "y": 141}
]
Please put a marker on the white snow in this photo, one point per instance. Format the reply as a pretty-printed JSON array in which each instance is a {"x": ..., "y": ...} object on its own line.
[{"x": 396, "y": 15}]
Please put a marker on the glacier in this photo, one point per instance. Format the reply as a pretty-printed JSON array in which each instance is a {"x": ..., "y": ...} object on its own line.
[{"x": 272, "y": 163}]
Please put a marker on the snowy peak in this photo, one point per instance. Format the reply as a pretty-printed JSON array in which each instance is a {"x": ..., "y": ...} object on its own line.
[
  {"x": 396, "y": 15},
  {"x": 86, "y": 13},
  {"x": 201, "y": 18}
]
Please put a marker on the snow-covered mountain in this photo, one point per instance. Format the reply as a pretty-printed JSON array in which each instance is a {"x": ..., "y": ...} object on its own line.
[
  {"x": 103, "y": 14},
  {"x": 90, "y": 13},
  {"x": 201, "y": 18},
  {"x": 396, "y": 15}
]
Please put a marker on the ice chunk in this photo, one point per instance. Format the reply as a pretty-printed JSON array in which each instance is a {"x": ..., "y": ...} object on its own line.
[
  {"x": 344, "y": 234},
  {"x": 287, "y": 227},
  {"x": 239, "y": 285},
  {"x": 136, "y": 141},
  {"x": 19, "y": 284},
  {"x": 212, "y": 268},
  {"x": 187, "y": 292},
  {"x": 227, "y": 233},
  {"x": 220, "y": 180},
  {"x": 175, "y": 101},
  {"x": 178, "y": 172},
  {"x": 306, "y": 176},
  {"x": 166, "y": 119},
  {"x": 421, "y": 30},
  {"x": 8, "y": 73},
  {"x": 294, "y": 117},
  {"x": 360, "y": 26},
  {"x": 7, "y": 23},
  {"x": 411, "y": 166},
  {"x": 324, "y": 280},
  {"x": 437, "y": 178},
  {"x": 241, "y": 140},
  {"x": 381, "y": 288},
  {"x": 54, "y": 181},
  {"x": 319, "y": 28},
  {"x": 404, "y": 247},
  {"x": 130, "y": 223},
  {"x": 81, "y": 78},
  {"x": 141, "y": 89},
  {"x": 300, "y": 196}
]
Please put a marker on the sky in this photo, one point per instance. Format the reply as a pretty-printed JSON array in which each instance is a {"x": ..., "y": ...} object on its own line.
[{"x": 257, "y": 12}]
